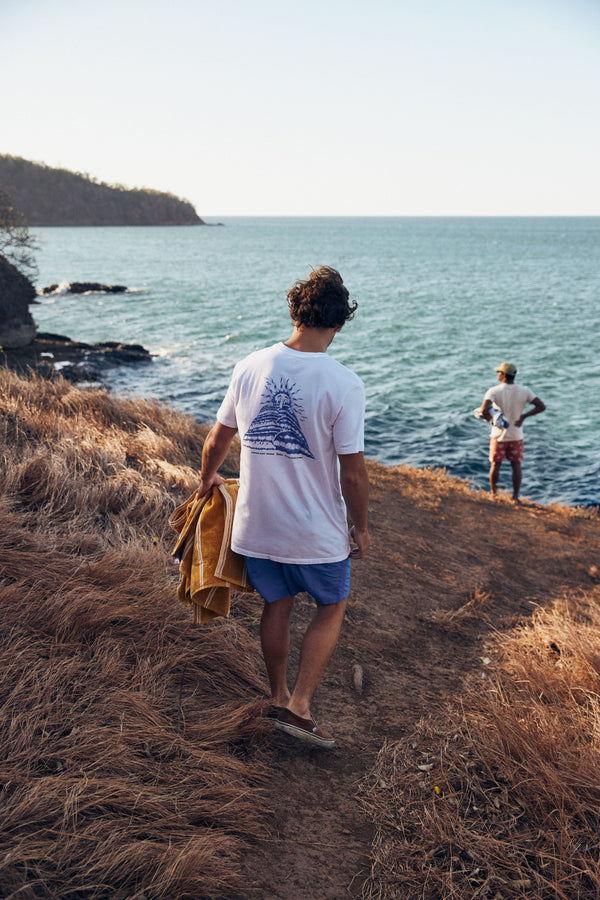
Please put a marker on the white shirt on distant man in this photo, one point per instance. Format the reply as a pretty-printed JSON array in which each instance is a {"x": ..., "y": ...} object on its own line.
[{"x": 512, "y": 400}]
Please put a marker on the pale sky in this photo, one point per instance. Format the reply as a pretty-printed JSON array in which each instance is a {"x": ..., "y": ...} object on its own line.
[{"x": 313, "y": 107}]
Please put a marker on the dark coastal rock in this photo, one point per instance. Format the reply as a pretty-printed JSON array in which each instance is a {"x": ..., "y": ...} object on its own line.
[
  {"x": 22, "y": 348},
  {"x": 51, "y": 354},
  {"x": 86, "y": 287},
  {"x": 17, "y": 328}
]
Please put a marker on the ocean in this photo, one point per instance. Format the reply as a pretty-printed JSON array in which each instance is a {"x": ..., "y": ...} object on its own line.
[{"x": 441, "y": 302}]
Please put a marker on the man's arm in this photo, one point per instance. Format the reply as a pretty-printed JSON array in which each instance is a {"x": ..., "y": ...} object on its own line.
[
  {"x": 354, "y": 482},
  {"x": 216, "y": 447},
  {"x": 538, "y": 407},
  {"x": 485, "y": 410}
]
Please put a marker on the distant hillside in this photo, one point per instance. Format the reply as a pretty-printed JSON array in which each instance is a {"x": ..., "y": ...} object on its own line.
[{"x": 48, "y": 197}]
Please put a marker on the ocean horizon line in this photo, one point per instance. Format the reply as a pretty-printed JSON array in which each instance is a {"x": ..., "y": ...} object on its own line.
[
  {"x": 404, "y": 216},
  {"x": 210, "y": 220}
]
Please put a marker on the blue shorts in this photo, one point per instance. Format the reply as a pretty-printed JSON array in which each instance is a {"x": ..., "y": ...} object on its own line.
[{"x": 328, "y": 583}]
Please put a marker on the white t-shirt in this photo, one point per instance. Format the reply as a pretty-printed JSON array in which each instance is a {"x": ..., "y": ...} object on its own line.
[
  {"x": 295, "y": 413},
  {"x": 512, "y": 400}
]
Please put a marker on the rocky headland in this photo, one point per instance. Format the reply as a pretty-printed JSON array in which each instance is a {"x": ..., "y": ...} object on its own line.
[
  {"x": 35, "y": 195},
  {"x": 48, "y": 197}
]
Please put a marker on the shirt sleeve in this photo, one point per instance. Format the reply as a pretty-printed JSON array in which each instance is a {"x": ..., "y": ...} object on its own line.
[
  {"x": 349, "y": 425},
  {"x": 226, "y": 412}
]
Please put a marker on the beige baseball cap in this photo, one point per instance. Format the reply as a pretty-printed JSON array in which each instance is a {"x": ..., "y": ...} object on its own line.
[{"x": 507, "y": 368}]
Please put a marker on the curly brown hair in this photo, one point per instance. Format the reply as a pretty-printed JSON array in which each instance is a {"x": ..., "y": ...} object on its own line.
[{"x": 322, "y": 301}]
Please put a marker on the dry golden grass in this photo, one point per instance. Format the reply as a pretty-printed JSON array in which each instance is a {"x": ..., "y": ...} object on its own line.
[
  {"x": 122, "y": 726},
  {"x": 131, "y": 739},
  {"x": 501, "y": 799}
]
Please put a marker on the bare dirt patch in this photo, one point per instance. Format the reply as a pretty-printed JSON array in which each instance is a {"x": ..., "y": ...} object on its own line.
[{"x": 449, "y": 568}]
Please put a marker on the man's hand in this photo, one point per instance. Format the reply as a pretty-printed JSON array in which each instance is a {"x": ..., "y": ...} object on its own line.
[
  {"x": 538, "y": 407},
  {"x": 484, "y": 412},
  {"x": 354, "y": 481},
  {"x": 362, "y": 540},
  {"x": 206, "y": 484}
]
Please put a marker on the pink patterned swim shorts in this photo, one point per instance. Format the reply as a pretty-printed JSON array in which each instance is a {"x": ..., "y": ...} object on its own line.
[{"x": 510, "y": 450}]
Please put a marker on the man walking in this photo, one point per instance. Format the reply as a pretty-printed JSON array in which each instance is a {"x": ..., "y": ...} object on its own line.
[
  {"x": 300, "y": 416},
  {"x": 507, "y": 443}
]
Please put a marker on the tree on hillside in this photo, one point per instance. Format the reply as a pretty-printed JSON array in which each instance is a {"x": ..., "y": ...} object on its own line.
[{"x": 16, "y": 243}]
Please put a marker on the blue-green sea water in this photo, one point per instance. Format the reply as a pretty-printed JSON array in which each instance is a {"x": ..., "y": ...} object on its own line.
[{"x": 442, "y": 301}]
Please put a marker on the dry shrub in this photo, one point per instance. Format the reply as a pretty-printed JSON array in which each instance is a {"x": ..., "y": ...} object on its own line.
[
  {"x": 473, "y": 608},
  {"x": 502, "y": 799},
  {"x": 126, "y": 732}
]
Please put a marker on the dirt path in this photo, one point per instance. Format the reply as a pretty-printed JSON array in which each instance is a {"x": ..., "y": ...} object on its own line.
[{"x": 448, "y": 566}]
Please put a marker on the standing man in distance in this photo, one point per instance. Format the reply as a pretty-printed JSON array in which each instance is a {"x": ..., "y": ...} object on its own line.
[
  {"x": 300, "y": 416},
  {"x": 507, "y": 443}
]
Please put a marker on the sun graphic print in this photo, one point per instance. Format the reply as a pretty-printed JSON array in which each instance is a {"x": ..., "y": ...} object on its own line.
[{"x": 276, "y": 427}]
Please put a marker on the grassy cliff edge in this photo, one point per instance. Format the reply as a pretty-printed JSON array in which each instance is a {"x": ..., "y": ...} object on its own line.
[{"x": 136, "y": 759}]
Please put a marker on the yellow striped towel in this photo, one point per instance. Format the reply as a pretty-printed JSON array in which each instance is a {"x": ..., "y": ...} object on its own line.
[{"x": 209, "y": 568}]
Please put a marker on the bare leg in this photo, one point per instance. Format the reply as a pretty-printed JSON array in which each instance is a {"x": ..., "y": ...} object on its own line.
[
  {"x": 494, "y": 475},
  {"x": 318, "y": 644},
  {"x": 275, "y": 641},
  {"x": 516, "y": 479}
]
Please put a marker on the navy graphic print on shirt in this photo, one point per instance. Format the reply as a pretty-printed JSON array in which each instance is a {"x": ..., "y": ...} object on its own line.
[{"x": 277, "y": 424}]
